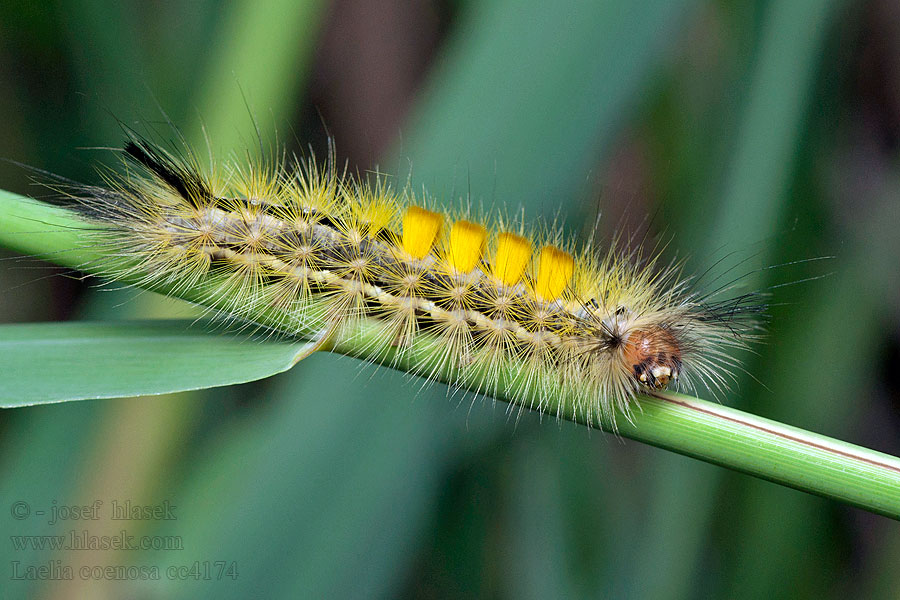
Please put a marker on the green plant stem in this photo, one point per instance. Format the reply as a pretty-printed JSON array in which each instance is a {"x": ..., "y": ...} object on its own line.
[{"x": 686, "y": 425}]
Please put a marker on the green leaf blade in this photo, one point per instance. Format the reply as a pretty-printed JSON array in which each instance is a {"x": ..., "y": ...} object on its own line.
[{"x": 56, "y": 362}]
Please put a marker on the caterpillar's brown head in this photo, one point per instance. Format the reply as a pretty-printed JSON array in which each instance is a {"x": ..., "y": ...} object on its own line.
[{"x": 654, "y": 356}]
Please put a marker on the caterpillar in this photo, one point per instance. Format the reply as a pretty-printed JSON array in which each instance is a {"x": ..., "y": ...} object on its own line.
[{"x": 483, "y": 302}]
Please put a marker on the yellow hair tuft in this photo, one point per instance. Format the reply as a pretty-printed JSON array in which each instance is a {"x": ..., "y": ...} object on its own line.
[
  {"x": 466, "y": 245},
  {"x": 554, "y": 272},
  {"x": 511, "y": 260},
  {"x": 376, "y": 214},
  {"x": 420, "y": 230}
]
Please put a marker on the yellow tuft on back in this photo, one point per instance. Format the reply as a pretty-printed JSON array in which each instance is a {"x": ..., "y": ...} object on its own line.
[
  {"x": 420, "y": 229},
  {"x": 554, "y": 272},
  {"x": 466, "y": 245},
  {"x": 513, "y": 254},
  {"x": 374, "y": 213}
]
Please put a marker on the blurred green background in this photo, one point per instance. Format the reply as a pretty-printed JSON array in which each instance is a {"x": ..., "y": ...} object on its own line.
[{"x": 752, "y": 133}]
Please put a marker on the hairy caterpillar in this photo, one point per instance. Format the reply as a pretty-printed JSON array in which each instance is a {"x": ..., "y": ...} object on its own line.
[{"x": 306, "y": 250}]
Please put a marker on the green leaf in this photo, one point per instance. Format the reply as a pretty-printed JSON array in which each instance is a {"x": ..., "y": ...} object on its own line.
[
  {"x": 263, "y": 52},
  {"x": 54, "y": 362},
  {"x": 527, "y": 97},
  {"x": 749, "y": 207}
]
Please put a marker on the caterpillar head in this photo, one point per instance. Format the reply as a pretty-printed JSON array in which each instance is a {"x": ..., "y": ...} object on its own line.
[{"x": 654, "y": 356}]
